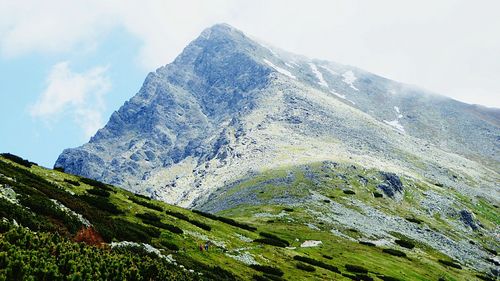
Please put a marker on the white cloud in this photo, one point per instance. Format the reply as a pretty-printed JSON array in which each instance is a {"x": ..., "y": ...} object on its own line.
[
  {"x": 445, "y": 46},
  {"x": 77, "y": 95}
]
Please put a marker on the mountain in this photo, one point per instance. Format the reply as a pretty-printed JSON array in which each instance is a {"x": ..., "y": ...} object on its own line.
[
  {"x": 229, "y": 107},
  {"x": 235, "y": 127},
  {"x": 58, "y": 226}
]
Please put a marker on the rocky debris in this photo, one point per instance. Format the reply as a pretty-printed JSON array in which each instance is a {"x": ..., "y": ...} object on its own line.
[
  {"x": 468, "y": 219},
  {"x": 245, "y": 258},
  {"x": 310, "y": 243}
]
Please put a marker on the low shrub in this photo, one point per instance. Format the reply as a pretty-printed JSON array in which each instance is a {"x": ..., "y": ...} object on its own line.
[
  {"x": 394, "y": 252},
  {"x": 98, "y": 192},
  {"x": 356, "y": 268},
  {"x": 59, "y": 169},
  {"x": 97, "y": 184},
  {"x": 348, "y": 191},
  {"x": 414, "y": 220},
  {"x": 142, "y": 196},
  {"x": 154, "y": 220},
  {"x": 267, "y": 269},
  {"x": 271, "y": 242},
  {"x": 146, "y": 204},
  {"x": 191, "y": 221},
  {"x": 405, "y": 243},
  {"x": 450, "y": 264},
  {"x": 226, "y": 220},
  {"x": 101, "y": 203},
  {"x": 366, "y": 243},
  {"x": 75, "y": 183},
  {"x": 274, "y": 237},
  {"x": 169, "y": 245},
  {"x": 327, "y": 257},
  {"x": 288, "y": 209},
  {"x": 317, "y": 263},
  {"x": 305, "y": 267},
  {"x": 377, "y": 194},
  {"x": 18, "y": 160}
]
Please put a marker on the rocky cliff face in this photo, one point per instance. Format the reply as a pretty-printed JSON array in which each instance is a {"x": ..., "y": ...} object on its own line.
[{"x": 229, "y": 107}]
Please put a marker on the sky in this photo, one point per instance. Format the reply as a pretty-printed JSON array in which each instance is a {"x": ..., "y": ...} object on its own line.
[{"x": 65, "y": 66}]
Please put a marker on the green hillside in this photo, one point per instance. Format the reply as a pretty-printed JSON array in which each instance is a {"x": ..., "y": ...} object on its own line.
[{"x": 57, "y": 226}]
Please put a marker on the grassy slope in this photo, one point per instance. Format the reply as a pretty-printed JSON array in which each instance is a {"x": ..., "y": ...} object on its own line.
[{"x": 420, "y": 265}]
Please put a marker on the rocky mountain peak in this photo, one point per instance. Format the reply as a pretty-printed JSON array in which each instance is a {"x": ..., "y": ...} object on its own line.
[{"x": 230, "y": 106}]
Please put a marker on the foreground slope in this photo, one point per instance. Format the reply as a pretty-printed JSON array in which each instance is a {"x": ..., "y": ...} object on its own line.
[
  {"x": 230, "y": 107},
  {"x": 44, "y": 212}
]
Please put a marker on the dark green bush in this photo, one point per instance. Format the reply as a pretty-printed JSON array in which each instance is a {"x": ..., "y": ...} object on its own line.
[
  {"x": 267, "y": 269},
  {"x": 414, "y": 220},
  {"x": 153, "y": 219},
  {"x": 75, "y": 183},
  {"x": 356, "y": 268},
  {"x": 348, "y": 191},
  {"x": 191, "y": 221},
  {"x": 394, "y": 252},
  {"x": 59, "y": 169},
  {"x": 366, "y": 243},
  {"x": 450, "y": 264},
  {"x": 96, "y": 184},
  {"x": 98, "y": 192},
  {"x": 405, "y": 243},
  {"x": 225, "y": 220},
  {"x": 18, "y": 160},
  {"x": 169, "y": 245},
  {"x": 271, "y": 242},
  {"x": 327, "y": 257},
  {"x": 377, "y": 194},
  {"x": 305, "y": 267},
  {"x": 102, "y": 203},
  {"x": 274, "y": 237},
  {"x": 45, "y": 256},
  {"x": 142, "y": 196},
  {"x": 317, "y": 263},
  {"x": 288, "y": 209},
  {"x": 146, "y": 204}
]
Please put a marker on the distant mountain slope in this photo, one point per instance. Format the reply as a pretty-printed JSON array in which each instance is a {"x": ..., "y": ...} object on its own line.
[
  {"x": 57, "y": 226},
  {"x": 229, "y": 106}
]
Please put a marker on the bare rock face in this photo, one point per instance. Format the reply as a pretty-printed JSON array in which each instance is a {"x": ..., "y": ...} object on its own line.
[{"x": 229, "y": 106}]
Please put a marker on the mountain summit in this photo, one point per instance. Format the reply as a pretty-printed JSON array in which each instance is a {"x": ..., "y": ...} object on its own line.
[{"x": 230, "y": 107}]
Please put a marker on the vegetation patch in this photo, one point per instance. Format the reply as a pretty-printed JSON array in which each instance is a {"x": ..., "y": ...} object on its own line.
[
  {"x": 101, "y": 203},
  {"x": 18, "y": 160},
  {"x": 356, "y": 268},
  {"x": 267, "y": 269},
  {"x": 348, "y": 192},
  {"x": 226, "y": 220},
  {"x": 414, "y": 220},
  {"x": 191, "y": 221},
  {"x": 72, "y": 182},
  {"x": 274, "y": 237},
  {"x": 98, "y": 192},
  {"x": 367, "y": 243},
  {"x": 450, "y": 264},
  {"x": 154, "y": 220},
  {"x": 405, "y": 243},
  {"x": 96, "y": 184},
  {"x": 305, "y": 267},
  {"x": 394, "y": 252},
  {"x": 146, "y": 204},
  {"x": 317, "y": 263}
]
